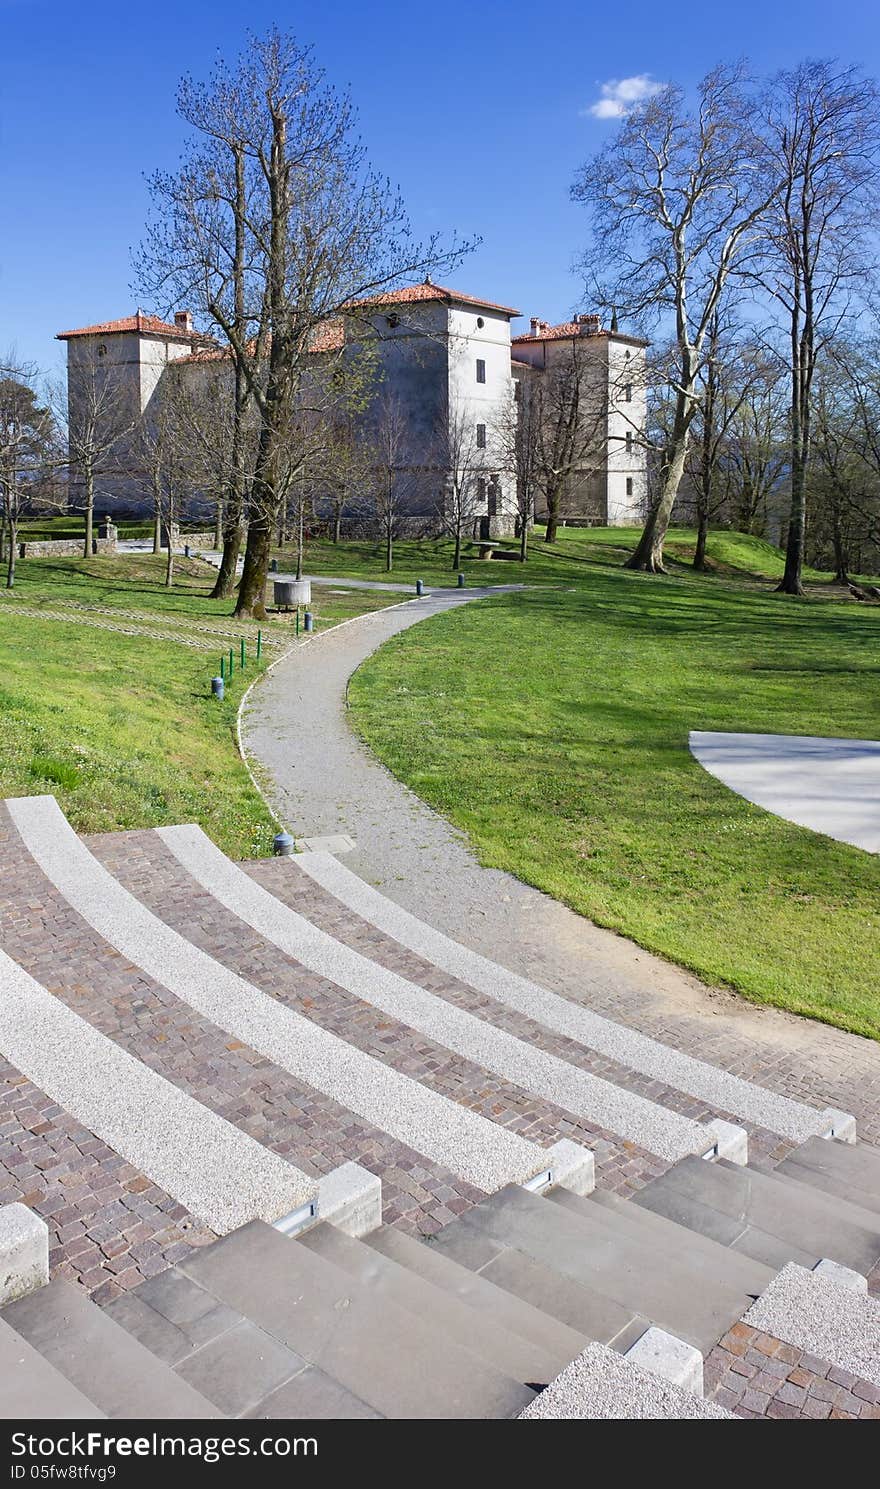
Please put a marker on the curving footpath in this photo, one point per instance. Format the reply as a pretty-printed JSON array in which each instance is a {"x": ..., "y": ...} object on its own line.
[{"x": 322, "y": 781}]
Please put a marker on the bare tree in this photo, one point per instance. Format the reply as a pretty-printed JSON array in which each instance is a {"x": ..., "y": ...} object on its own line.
[
  {"x": 566, "y": 420},
  {"x": 394, "y": 480},
  {"x": 96, "y": 407},
  {"x": 27, "y": 446},
  {"x": 464, "y": 471},
  {"x": 676, "y": 200},
  {"x": 822, "y": 144},
  {"x": 318, "y": 231}
]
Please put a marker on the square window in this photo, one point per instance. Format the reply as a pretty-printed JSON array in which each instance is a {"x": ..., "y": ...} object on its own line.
[
  {"x": 481, "y": 370},
  {"x": 481, "y": 436}
]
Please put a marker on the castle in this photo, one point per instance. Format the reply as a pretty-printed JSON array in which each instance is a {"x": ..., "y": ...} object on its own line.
[{"x": 448, "y": 359}]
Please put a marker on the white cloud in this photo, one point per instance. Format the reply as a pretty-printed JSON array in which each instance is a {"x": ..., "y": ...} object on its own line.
[{"x": 619, "y": 95}]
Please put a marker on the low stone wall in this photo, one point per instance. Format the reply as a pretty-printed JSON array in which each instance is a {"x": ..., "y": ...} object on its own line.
[{"x": 60, "y": 547}]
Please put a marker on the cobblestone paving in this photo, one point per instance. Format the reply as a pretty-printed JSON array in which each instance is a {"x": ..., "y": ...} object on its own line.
[
  {"x": 110, "y": 1226},
  {"x": 283, "y": 879},
  {"x": 141, "y": 861},
  {"x": 755, "y": 1375},
  {"x": 45, "y": 936}
]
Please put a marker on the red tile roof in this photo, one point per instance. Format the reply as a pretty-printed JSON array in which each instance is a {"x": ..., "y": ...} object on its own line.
[
  {"x": 428, "y": 291},
  {"x": 568, "y": 330},
  {"x": 140, "y": 321}
]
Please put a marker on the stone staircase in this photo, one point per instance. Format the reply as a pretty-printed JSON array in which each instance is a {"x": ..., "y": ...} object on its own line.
[{"x": 302, "y": 1156}]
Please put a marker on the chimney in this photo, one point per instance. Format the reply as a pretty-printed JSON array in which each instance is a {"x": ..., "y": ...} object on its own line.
[
  {"x": 588, "y": 325},
  {"x": 536, "y": 325},
  {"x": 183, "y": 320}
]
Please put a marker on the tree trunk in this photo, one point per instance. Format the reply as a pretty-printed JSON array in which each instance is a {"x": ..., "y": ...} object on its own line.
[
  {"x": 337, "y": 524},
  {"x": 523, "y": 539},
  {"x": 792, "y": 580},
  {"x": 841, "y": 557},
  {"x": 702, "y": 535},
  {"x": 169, "y": 559},
  {"x": 389, "y": 549},
  {"x": 218, "y": 526},
  {"x": 157, "y": 531},
  {"x": 648, "y": 555},
  {"x": 12, "y": 528},
  {"x": 552, "y": 516},
  {"x": 226, "y": 574},
  {"x": 456, "y": 557},
  {"x": 90, "y": 512},
  {"x": 252, "y": 588}
]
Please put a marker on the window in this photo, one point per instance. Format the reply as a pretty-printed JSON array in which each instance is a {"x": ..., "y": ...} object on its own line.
[
  {"x": 629, "y": 441},
  {"x": 629, "y": 486},
  {"x": 628, "y": 393},
  {"x": 481, "y": 436},
  {"x": 494, "y": 494},
  {"x": 481, "y": 370},
  {"x": 481, "y": 490}
]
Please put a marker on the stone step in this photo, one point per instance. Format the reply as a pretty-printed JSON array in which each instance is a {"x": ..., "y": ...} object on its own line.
[
  {"x": 513, "y": 1233},
  {"x": 765, "y": 1215},
  {"x": 665, "y": 1236},
  {"x": 450, "y": 1317},
  {"x": 478, "y": 1150},
  {"x": 816, "y": 1314},
  {"x": 722, "y": 1091},
  {"x": 656, "y": 1128},
  {"x": 849, "y": 1170},
  {"x": 31, "y": 1389},
  {"x": 100, "y": 1358},
  {"x": 483, "y": 1298},
  {"x": 379, "y": 1352}
]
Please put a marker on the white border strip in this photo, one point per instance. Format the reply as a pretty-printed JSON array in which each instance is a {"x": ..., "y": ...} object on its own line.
[
  {"x": 220, "y": 1174},
  {"x": 683, "y": 1072},
  {"x": 656, "y": 1128},
  {"x": 468, "y": 1144}
]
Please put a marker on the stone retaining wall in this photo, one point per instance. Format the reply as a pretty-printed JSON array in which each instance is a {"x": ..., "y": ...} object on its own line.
[{"x": 61, "y": 546}]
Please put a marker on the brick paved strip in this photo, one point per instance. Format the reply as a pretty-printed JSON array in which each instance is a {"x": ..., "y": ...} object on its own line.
[
  {"x": 145, "y": 866},
  {"x": 211, "y": 1167},
  {"x": 754, "y": 1374},
  {"x": 654, "y": 1127},
  {"x": 110, "y": 1226},
  {"x": 65, "y": 955},
  {"x": 479, "y": 1151},
  {"x": 725, "y": 1092}
]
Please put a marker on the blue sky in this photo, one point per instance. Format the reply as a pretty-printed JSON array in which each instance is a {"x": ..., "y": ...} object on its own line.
[{"x": 479, "y": 111}]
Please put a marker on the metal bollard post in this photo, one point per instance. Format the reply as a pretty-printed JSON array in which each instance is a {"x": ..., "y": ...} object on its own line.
[
  {"x": 419, "y": 587},
  {"x": 461, "y": 581},
  {"x": 217, "y": 688},
  {"x": 222, "y": 668},
  {"x": 273, "y": 566},
  {"x": 309, "y": 620},
  {"x": 242, "y": 654},
  {"x": 282, "y": 845},
  {"x": 231, "y": 663},
  {"x": 259, "y": 644},
  {"x": 186, "y": 553}
]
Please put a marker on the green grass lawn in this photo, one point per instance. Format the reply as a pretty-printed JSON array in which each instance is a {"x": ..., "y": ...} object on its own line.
[
  {"x": 122, "y": 729},
  {"x": 552, "y": 726}
]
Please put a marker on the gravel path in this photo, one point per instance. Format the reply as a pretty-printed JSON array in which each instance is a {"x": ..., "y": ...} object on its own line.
[{"x": 322, "y": 780}]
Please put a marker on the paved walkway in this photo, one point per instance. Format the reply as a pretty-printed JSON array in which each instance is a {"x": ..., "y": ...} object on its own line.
[
  {"x": 323, "y": 781},
  {"x": 829, "y": 785}
]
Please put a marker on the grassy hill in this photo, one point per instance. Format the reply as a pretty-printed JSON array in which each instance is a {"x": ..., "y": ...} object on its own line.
[{"x": 552, "y": 727}]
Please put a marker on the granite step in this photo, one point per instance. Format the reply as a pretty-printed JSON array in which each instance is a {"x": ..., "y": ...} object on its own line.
[
  {"x": 767, "y": 1216},
  {"x": 31, "y": 1388},
  {"x": 100, "y": 1358},
  {"x": 565, "y": 1262},
  {"x": 555, "y": 1339},
  {"x": 379, "y": 1352},
  {"x": 849, "y": 1170},
  {"x": 666, "y": 1237},
  {"x": 452, "y": 1319}
]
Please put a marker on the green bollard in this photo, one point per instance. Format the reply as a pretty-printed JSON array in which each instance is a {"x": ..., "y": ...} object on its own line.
[
  {"x": 259, "y": 644},
  {"x": 242, "y": 654},
  {"x": 223, "y": 667},
  {"x": 231, "y": 662}
]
